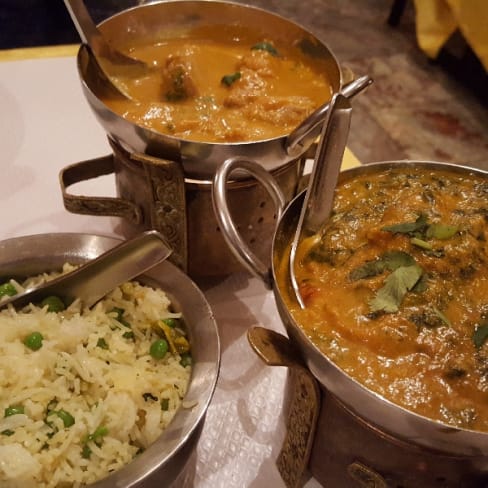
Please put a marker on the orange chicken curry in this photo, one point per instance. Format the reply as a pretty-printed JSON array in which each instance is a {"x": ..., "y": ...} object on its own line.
[
  {"x": 396, "y": 290},
  {"x": 223, "y": 87}
]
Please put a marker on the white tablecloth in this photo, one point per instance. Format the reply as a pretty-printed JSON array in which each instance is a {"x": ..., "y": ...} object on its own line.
[{"x": 45, "y": 124}]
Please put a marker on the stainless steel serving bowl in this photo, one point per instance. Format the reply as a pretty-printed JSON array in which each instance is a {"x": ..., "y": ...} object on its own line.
[
  {"x": 387, "y": 416},
  {"x": 162, "y": 463},
  {"x": 160, "y": 20}
]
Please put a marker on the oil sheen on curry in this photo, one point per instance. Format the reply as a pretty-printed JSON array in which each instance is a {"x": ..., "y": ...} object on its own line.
[
  {"x": 396, "y": 290},
  {"x": 223, "y": 86}
]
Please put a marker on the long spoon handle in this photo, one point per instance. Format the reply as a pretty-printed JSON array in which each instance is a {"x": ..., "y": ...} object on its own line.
[
  {"x": 92, "y": 281},
  {"x": 302, "y": 137},
  {"x": 319, "y": 197},
  {"x": 325, "y": 172},
  {"x": 84, "y": 24}
]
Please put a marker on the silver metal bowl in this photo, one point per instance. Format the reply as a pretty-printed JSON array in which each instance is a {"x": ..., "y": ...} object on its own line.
[
  {"x": 159, "y": 20},
  {"x": 387, "y": 416},
  {"x": 163, "y": 462}
]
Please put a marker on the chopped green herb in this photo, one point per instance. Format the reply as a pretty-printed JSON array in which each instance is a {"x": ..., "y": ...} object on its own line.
[
  {"x": 441, "y": 231},
  {"x": 119, "y": 316},
  {"x": 66, "y": 417},
  {"x": 421, "y": 284},
  {"x": 411, "y": 228},
  {"x": 7, "y": 289},
  {"x": 390, "y": 296},
  {"x": 480, "y": 334},
  {"x": 86, "y": 452},
  {"x": 186, "y": 360},
  {"x": 228, "y": 80},
  {"x": 421, "y": 243},
  {"x": 265, "y": 46},
  {"x": 13, "y": 410},
  {"x": 164, "y": 404},
  {"x": 7, "y": 432},
  {"x": 96, "y": 437},
  {"x": 102, "y": 343},
  {"x": 388, "y": 261},
  {"x": 128, "y": 335}
]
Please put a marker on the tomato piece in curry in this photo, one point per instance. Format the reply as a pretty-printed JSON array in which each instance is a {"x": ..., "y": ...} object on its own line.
[{"x": 396, "y": 290}]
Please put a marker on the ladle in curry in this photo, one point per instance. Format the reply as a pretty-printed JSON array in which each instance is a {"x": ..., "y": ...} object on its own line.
[
  {"x": 114, "y": 64},
  {"x": 93, "y": 280},
  {"x": 319, "y": 196}
]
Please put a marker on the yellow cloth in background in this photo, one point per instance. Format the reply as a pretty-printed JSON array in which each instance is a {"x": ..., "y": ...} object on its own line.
[{"x": 436, "y": 20}]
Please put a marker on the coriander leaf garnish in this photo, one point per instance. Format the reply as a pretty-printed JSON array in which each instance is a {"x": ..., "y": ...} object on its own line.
[
  {"x": 397, "y": 284},
  {"x": 390, "y": 261},
  {"x": 421, "y": 243},
  {"x": 441, "y": 231},
  {"x": 421, "y": 230},
  {"x": 265, "y": 46},
  {"x": 480, "y": 334},
  {"x": 408, "y": 227},
  {"x": 228, "y": 80}
]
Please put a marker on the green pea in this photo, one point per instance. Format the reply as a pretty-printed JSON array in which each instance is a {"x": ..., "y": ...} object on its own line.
[
  {"x": 53, "y": 303},
  {"x": 158, "y": 349},
  {"x": 34, "y": 341},
  {"x": 7, "y": 289},
  {"x": 171, "y": 322},
  {"x": 13, "y": 410}
]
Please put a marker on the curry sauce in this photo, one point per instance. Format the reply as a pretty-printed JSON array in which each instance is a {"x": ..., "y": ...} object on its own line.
[
  {"x": 223, "y": 86},
  {"x": 396, "y": 290}
]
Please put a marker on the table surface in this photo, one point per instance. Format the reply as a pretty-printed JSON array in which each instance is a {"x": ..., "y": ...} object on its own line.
[{"x": 45, "y": 124}]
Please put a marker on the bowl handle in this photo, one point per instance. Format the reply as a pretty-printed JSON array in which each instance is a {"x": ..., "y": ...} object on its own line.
[
  {"x": 238, "y": 246},
  {"x": 98, "y": 206}
]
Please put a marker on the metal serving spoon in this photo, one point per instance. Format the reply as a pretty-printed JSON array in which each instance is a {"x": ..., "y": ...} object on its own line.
[
  {"x": 305, "y": 133},
  {"x": 93, "y": 280},
  {"x": 319, "y": 196},
  {"x": 114, "y": 64}
]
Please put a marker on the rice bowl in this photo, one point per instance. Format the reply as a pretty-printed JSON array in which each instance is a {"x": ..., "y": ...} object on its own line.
[{"x": 93, "y": 397}]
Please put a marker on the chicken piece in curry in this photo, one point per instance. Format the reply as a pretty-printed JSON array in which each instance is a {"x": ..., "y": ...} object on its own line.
[{"x": 223, "y": 91}]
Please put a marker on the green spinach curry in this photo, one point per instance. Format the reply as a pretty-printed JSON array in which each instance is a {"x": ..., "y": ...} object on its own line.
[{"x": 396, "y": 290}]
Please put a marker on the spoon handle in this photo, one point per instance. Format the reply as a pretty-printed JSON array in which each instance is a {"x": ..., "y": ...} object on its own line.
[
  {"x": 92, "y": 281},
  {"x": 100, "y": 46},
  {"x": 302, "y": 137},
  {"x": 84, "y": 24},
  {"x": 325, "y": 172},
  {"x": 319, "y": 196}
]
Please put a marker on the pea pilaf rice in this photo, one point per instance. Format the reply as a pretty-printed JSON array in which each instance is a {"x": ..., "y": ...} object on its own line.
[{"x": 84, "y": 391}]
